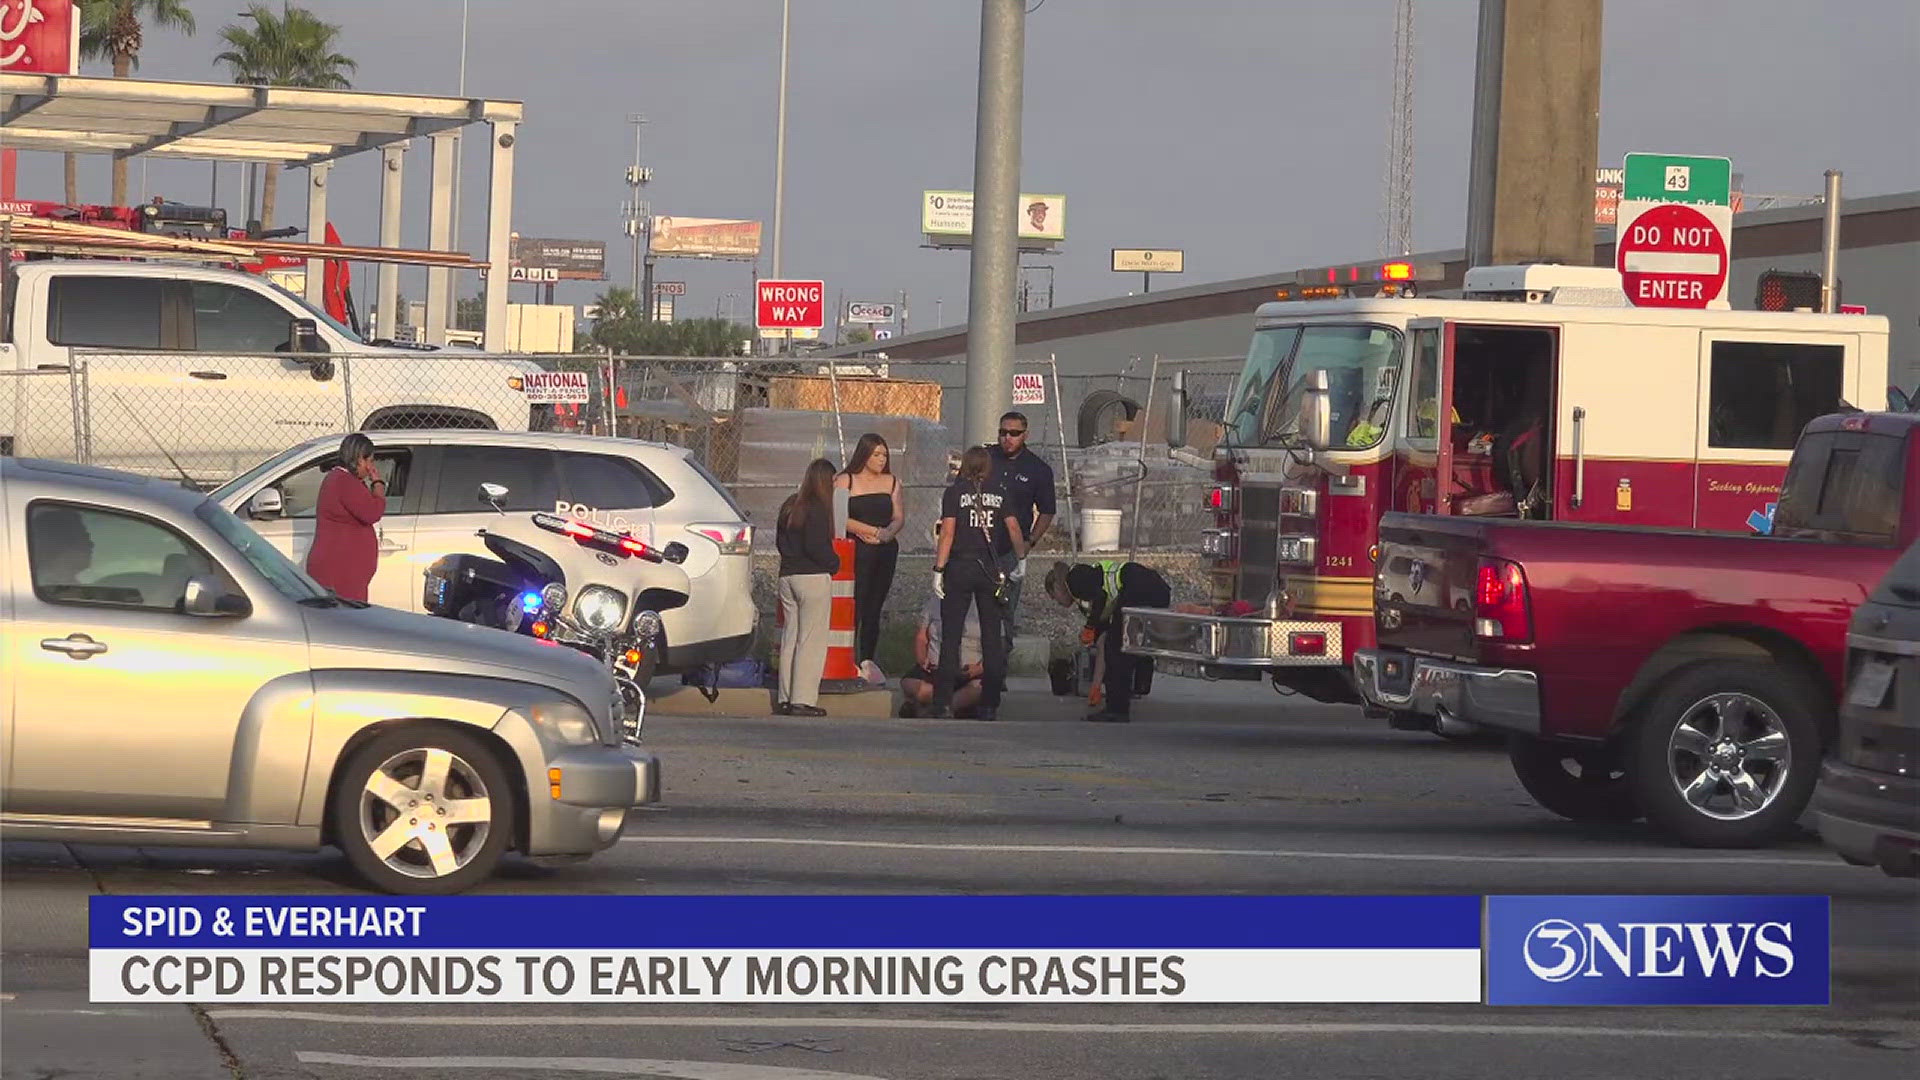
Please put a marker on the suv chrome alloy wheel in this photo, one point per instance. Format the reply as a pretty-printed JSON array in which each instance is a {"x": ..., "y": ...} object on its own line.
[
  {"x": 1729, "y": 756},
  {"x": 425, "y": 812}
]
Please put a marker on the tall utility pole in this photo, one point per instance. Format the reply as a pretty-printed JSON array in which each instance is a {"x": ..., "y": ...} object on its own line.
[
  {"x": 780, "y": 142},
  {"x": 1397, "y": 238},
  {"x": 996, "y": 195},
  {"x": 639, "y": 224}
]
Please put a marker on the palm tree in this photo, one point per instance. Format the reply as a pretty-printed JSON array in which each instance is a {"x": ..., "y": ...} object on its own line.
[
  {"x": 115, "y": 30},
  {"x": 291, "y": 48}
]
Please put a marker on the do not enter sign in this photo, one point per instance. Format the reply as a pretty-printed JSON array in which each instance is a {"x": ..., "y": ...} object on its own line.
[{"x": 1672, "y": 256}]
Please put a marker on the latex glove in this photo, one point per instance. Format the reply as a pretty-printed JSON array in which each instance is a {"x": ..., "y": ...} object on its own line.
[
  {"x": 1019, "y": 571},
  {"x": 939, "y": 584},
  {"x": 1087, "y": 636}
]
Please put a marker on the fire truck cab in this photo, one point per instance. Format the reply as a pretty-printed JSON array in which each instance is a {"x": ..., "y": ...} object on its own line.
[{"x": 1538, "y": 392}]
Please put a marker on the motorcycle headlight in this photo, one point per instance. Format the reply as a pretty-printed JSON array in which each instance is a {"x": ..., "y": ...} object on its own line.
[
  {"x": 566, "y": 723},
  {"x": 599, "y": 608},
  {"x": 646, "y": 626},
  {"x": 553, "y": 598}
]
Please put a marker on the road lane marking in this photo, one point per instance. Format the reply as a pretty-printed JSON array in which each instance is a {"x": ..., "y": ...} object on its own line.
[
  {"x": 1254, "y": 853},
  {"x": 1305, "y": 1028},
  {"x": 671, "y": 1070}
]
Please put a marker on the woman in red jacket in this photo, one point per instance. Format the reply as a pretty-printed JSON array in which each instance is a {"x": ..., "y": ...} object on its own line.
[{"x": 352, "y": 498}]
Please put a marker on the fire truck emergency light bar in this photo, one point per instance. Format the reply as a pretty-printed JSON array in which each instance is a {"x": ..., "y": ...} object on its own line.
[{"x": 1333, "y": 282}]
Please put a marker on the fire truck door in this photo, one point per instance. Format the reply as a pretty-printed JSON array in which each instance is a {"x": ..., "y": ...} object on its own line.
[{"x": 1423, "y": 452}]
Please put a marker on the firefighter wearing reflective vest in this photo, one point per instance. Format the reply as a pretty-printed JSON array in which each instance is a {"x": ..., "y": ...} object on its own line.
[{"x": 1104, "y": 590}]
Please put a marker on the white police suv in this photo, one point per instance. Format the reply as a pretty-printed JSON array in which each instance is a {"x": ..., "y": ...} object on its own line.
[{"x": 657, "y": 493}]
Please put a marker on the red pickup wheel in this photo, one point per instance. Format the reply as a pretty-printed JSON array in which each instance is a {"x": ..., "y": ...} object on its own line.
[
  {"x": 1726, "y": 754},
  {"x": 1576, "y": 782}
]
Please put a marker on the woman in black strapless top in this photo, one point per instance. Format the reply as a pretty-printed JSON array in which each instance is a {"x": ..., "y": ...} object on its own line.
[{"x": 875, "y": 514}]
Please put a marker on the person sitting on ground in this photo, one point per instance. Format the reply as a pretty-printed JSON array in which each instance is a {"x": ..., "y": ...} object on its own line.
[
  {"x": 1103, "y": 591},
  {"x": 917, "y": 685}
]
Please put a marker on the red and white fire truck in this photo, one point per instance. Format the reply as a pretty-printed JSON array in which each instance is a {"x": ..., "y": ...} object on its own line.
[{"x": 1537, "y": 393}]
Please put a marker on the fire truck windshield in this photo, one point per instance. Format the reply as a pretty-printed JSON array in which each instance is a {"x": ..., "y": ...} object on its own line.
[{"x": 1363, "y": 368}]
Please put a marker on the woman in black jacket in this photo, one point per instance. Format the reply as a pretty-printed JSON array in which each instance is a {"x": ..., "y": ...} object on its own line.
[
  {"x": 981, "y": 548},
  {"x": 804, "y": 536}
]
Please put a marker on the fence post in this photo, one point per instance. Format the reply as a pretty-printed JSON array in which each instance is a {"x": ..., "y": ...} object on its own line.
[
  {"x": 1140, "y": 482},
  {"x": 1066, "y": 467},
  {"x": 839, "y": 432},
  {"x": 75, "y": 391},
  {"x": 346, "y": 389}
]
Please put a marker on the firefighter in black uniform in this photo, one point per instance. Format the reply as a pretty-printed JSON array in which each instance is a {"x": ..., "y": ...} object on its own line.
[{"x": 1104, "y": 590}]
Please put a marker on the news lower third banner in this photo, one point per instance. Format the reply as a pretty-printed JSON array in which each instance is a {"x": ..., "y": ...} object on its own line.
[{"x": 872, "y": 949}]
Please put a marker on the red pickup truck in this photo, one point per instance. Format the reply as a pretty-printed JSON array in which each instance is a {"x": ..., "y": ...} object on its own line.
[{"x": 1692, "y": 678}]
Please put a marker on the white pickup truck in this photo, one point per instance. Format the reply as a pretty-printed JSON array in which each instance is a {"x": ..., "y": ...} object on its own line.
[{"x": 180, "y": 368}]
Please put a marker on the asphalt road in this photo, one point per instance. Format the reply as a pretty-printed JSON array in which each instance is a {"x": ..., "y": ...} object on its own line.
[{"x": 1214, "y": 789}]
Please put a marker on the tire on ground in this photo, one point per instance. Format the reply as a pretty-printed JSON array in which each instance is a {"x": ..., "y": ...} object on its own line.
[
  {"x": 1794, "y": 698},
  {"x": 1575, "y": 782},
  {"x": 345, "y": 804}
]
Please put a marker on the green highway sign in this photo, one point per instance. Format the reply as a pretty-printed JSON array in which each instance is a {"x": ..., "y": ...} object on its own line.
[{"x": 1674, "y": 178}]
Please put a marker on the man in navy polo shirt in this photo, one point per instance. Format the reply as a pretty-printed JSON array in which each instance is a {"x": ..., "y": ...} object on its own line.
[{"x": 1028, "y": 483}]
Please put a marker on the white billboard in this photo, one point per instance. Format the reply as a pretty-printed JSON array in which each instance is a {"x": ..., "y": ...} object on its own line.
[
  {"x": 1149, "y": 260},
  {"x": 950, "y": 213},
  {"x": 871, "y": 311}
]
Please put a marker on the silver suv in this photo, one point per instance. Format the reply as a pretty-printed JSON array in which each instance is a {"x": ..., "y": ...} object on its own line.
[{"x": 176, "y": 680}]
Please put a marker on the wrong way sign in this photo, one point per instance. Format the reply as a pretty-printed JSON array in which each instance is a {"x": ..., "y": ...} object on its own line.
[
  {"x": 791, "y": 305},
  {"x": 1672, "y": 256}
]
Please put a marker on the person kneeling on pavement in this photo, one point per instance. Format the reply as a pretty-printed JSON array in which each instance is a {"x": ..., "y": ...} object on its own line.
[
  {"x": 917, "y": 685},
  {"x": 1104, "y": 590}
]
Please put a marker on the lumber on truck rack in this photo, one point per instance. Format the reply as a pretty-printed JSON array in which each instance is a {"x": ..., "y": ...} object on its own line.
[{"x": 50, "y": 236}]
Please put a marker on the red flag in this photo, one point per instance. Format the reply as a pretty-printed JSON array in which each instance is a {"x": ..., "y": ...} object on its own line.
[{"x": 338, "y": 284}]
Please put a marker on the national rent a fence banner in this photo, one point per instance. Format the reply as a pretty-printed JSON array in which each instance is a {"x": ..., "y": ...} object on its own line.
[{"x": 990, "y": 949}]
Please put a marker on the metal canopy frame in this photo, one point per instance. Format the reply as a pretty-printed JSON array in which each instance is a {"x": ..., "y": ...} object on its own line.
[{"x": 293, "y": 127}]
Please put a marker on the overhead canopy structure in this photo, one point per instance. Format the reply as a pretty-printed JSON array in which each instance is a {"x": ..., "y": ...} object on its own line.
[{"x": 292, "y": 127}]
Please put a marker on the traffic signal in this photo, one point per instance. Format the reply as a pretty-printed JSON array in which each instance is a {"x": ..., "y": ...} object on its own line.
[{"x": 1788, "y": 290}]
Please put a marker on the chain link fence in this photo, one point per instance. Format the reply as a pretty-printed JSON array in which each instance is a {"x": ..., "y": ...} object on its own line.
[{"x": 1130, "y": 448}]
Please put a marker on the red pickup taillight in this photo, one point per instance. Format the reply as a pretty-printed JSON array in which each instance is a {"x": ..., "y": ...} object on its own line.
[{"x": 1501, "y": 611}]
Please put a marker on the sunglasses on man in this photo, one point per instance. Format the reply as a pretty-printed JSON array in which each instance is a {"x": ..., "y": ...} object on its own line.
[{"x": 1013, "y": 433}]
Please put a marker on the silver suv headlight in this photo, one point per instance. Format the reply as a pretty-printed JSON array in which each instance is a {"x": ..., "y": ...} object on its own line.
[
  {"x": 599, "y": 608},
  {"x": 566, "y": 723}
]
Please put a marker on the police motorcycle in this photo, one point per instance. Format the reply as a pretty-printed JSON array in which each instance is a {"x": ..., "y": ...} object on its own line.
[{"x": 570, "y": 584}]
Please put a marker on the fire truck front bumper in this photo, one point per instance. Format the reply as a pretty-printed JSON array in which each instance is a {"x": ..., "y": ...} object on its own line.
[{"x": 1223, "y": 647}]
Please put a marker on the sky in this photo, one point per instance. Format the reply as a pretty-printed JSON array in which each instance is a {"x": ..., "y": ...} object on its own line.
[{"x": 1252, "y": 134}]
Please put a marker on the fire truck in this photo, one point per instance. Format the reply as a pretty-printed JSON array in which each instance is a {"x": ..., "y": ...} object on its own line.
[{"x": 1535, "y": 392}]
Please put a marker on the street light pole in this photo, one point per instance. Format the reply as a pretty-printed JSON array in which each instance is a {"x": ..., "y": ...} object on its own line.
[
  {"x": 996, "y": 195},
  {"x": 780, "y": 142}
]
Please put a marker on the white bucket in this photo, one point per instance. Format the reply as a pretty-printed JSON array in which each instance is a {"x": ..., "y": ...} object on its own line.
[{"x": 1099, "y": 530}]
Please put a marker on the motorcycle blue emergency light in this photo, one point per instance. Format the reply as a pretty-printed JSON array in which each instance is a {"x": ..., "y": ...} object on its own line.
[{"x": 530, "y": 602}]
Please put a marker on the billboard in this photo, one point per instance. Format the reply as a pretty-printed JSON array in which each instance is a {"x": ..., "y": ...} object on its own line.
[
  {"x": 871, "y": 311},
  {"x": 39, "y": 37},
  {"x": 556, "y": 260},
  {"x": 1149, "y": 260},
  {"x": 697, "y": 236},
  {"x": 950, "y": 213}
]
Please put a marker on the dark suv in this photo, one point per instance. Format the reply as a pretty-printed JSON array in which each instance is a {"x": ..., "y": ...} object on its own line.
[{"x": 1868, "y": 799}]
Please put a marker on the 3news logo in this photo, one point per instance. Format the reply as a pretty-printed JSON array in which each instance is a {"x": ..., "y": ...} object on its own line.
[{"x": 1658, "y": 950}]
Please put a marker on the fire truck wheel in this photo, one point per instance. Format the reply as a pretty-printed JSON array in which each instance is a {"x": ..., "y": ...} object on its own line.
[
  {"x": 1578, "y": 783},
  {"x": 1726, "y": 754}
]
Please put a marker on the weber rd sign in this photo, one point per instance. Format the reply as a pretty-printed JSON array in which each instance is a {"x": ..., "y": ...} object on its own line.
[
  {"x": 1673, "y": 261},
  {"x": 1671, "y": 256},
  {"x": 791, "y": 304}
]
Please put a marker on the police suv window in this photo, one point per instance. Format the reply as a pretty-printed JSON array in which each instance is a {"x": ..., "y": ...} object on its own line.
[
  {"x": 606, "y": 482},
  {"x": 300, "y": 490},
  {"x": 528, "y": 474},
  {"x": 1760, "y": 394},
  {"x": 106, "y": 312}
]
